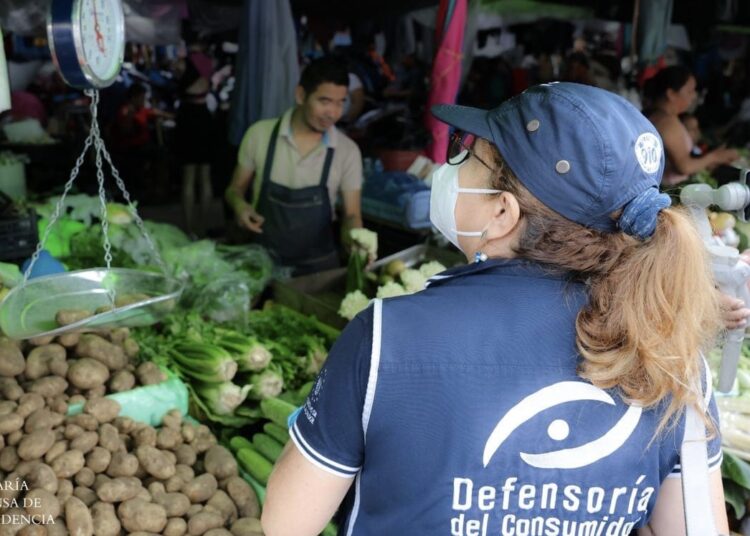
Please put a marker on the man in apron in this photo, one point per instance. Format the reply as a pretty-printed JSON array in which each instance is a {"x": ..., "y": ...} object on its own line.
[{"x": 294, "y": 168}]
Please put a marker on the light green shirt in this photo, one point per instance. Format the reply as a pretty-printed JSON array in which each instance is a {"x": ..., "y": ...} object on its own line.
[{"x": 292, "y": 169}]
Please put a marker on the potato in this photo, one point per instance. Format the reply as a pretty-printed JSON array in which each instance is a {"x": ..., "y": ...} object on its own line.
[
  {"x": 57, "y": 449},
  {"x": 25, "y": 467},
  {"x": 85, "y": 442},
  {"x": 97, "y": 392},
  {"x": 168, "y": 438},
  {"x": 155, "y": 462},
  {"x": 188, "y": 433},
  {"x": 14, "y": 438},
  {"x": 95, "y": 347},
  {"x": 9, "y": 389},
  {"x": 203, "y": 522},
  {"x": 29, "y": 403},
  {"x": 101, "y": 478},
  {"x": 124, "y": 425},
  {"x": 36, "y": 444},
  {"x": 69, "y": 339},
  {"x": 8, "y": 406},
  {"x": 243, "y": 496},
  {"x": 122, "y": 380},
  {"x": 9, "y": 459},
  {"x": 68, "y": 464},
  {"x": 194, "y": 510},
  {"x": 39, "y": 359},
  {"x": 201, "y": 488},
  {"x": 10, "y": 423},
  {"x": 41, "y": 341},
  {"x": 76, "y": 398},
  {"x": 150, "y": 374},
  {"x": 122, "y": 464},
  {"x": 42, "y": 419},
  {"x": 175, "y": 504},
  {"x": 87, "y": 373},
  {"x": 109, "y": 438},
  {"x": 104, "y": 409},
  {"x": 49, "y": 386},
  {"x": 138, "y": 515},
  {"x": 85, "y": 421},
  {"x": 57, "y": 528},
  {"x": 185, "y": 472},
  {"x": 174, "y": 483},
  {"x": 33, "y": 530},
  {"x": 59, "y": 405},
  {"x": 87, "y": 495},
  {"x": 170, "y": 456},
  {"x": 218, "y": 532},
  {"x": 64, "y": 490},
  {"x": 224, "y": 505},
  {"x": 247, "y": 526},
  {"x": 119, "y": 489},
  {"x": 12, "y": 362},
  {"x": 131, "y": 348},
  {"x": 72, "y": 431},
  {"x": 204, "y": 439},
  {"x": 173, "y": 419},
  {"x": 144, "y": 495},
  {"x": 42, "y": 477},
  {"x": 105, "y": 520},
  {"x": 220, "y": 462},
  {"x": 98, "y": 459},
  {"x": 85, "y": 477},
  {"x": 66, "y": 317},
  {"x": 175, "y": 527},
  {"x": 145, "y": 437},
  {"x": 40, "y": 502},
  {"x": 11, "y": 529},
  {"x": 78, "y": 518}
]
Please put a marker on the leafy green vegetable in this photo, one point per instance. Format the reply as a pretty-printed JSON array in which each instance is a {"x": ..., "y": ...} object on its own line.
[{"x": 222, "y": 398}]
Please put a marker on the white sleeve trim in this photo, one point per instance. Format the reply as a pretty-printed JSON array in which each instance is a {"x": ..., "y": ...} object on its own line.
[
  {"x": 310, "y": 454},
  {"x": 372, "y": 381}
]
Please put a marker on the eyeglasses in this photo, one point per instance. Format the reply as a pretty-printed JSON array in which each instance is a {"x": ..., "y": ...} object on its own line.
[{"x": 461, "y": 147}]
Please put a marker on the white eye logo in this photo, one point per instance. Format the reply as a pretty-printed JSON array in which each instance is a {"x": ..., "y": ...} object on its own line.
[{"x": 572, "y": 458}]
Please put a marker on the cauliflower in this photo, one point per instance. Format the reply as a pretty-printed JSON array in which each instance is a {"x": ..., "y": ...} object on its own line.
[
  {"x": 391, "y": 290},
  {"x": 352, "y": 304},
  {"x": 365, "y": 240},
  {"x": 431, "y": 268},
  {"x": 413, "y": 280}
]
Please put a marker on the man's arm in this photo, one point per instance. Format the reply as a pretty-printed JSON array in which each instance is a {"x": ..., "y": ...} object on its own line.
[{"x": 247, "y": 218}]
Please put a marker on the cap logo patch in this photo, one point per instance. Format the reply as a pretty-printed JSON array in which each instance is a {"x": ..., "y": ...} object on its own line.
[{"x": 648, "y": 151}]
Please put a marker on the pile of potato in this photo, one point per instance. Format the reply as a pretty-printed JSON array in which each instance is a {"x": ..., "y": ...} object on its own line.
[
  {"x": 99, "y": 474},
  {"x": 96, "y": 473}
]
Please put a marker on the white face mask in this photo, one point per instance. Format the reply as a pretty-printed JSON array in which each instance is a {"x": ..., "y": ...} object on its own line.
[{"x": 443, "y": 199}]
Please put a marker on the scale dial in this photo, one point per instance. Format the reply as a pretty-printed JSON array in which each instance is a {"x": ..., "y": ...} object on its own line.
[{"x": 87, "y": 40}]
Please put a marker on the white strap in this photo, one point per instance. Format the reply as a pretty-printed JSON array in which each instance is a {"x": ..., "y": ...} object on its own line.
[{"x": 699, "y": 516}]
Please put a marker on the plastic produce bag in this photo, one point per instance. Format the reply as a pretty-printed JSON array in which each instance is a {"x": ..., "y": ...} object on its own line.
[{"x": 149, "y": 404}]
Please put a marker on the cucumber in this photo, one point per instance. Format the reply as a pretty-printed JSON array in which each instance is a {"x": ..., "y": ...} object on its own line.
[
  {"x": 279, "y": 433},
  {"x": 255, "y": 464},
  {"x": 276, "y": 410},
  {"x": 267, "y": 446},
  {"x": 330, "y": 530},
  {"x": 239, "y": 442},
  {"x": 303, "y": 391}
]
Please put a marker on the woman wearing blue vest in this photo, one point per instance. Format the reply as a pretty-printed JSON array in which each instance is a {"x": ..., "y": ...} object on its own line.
[{"x": 543, "y": 389}]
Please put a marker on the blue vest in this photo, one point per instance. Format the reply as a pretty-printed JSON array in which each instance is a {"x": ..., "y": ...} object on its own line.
[{"x": 458, "y": 411}]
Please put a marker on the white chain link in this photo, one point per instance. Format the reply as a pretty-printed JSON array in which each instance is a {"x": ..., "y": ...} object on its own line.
[
  {"x": 94, "y": 138},
  {"x": 58, "y": 208}
]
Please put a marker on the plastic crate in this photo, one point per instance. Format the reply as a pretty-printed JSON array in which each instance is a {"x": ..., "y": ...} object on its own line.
[{"x": 18, "y": 235}]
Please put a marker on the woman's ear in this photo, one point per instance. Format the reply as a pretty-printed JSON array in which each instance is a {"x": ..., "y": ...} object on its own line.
[{"x": 506, "y": 214}]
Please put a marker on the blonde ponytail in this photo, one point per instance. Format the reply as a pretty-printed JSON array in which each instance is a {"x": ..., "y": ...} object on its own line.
[{"x": 653, "y": 305}]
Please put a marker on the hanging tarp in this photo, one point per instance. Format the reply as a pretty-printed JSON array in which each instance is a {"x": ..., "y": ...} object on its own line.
[
  {"x": 266, "y": 69},
  {"x": 446, "y": 73}
]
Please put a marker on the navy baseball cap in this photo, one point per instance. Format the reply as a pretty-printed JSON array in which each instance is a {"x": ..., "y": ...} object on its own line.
[{"x": 582, "y": 151}]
